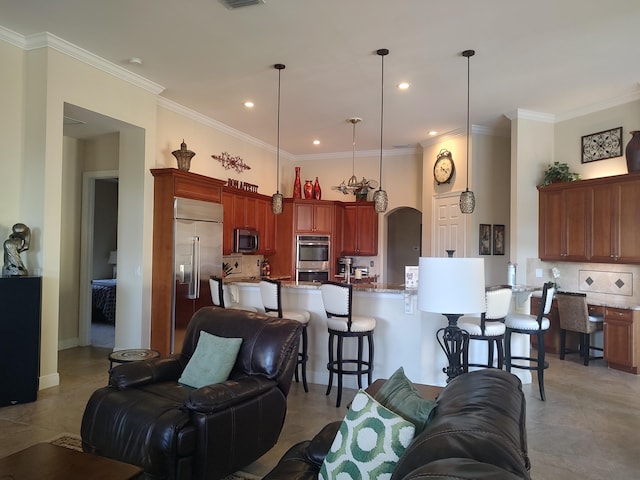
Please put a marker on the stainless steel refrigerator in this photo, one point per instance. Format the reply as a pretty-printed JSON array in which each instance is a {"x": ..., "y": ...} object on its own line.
[{"x": 197, "y": 255}]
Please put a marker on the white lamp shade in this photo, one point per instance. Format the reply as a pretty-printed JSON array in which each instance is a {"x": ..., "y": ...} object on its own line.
[
  {"x": 113, "y": 257},
  {"x": 451, "y": 285}
]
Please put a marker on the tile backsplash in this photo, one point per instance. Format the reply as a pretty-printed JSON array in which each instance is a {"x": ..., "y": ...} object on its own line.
[
  {"x": 613, "y": 284},
  {"x": 242, "y": 266}
]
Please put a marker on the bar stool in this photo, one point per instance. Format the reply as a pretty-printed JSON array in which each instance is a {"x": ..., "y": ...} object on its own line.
[
  {"x": 270, "y": 291},
  {"x": 341, "y": 323},
  {"x": 490, "y": 325},
  {"x": 217, "y": 296},
  {"x": 530, "y": 325},
  {"x": 573, "y": 311}
]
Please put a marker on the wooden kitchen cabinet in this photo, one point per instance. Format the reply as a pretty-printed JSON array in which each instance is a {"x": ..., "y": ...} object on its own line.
[
  {"x": 564, "y": 224},
  {"x": 360, "y": 230},
  {"x": 621, "y": 339},
  {"x": 248, "y": 210},
  {"x": 313, "y": 216},
  {"x": 596, "y": 220}
]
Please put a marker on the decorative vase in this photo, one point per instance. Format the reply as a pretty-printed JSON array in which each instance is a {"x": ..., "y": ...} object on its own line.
[
  {"x": 183, "y": 156},
  {"x": 632, "y": 152},
  {"x": 308, "y": 189},
  {"x": 297, "y": 188},
  {"x": 450, "y": 253},
  {"x": 317, "y": 191}
]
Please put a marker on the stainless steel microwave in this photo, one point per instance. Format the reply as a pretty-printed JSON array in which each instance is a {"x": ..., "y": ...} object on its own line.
[{"x": 245, "y": 240}]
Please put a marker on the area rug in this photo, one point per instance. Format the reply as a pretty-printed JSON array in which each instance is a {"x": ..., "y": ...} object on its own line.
[{"x": 75, "y": 443}]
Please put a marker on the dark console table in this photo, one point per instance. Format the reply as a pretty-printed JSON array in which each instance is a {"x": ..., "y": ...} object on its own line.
[{"x": 20, "y": 308}]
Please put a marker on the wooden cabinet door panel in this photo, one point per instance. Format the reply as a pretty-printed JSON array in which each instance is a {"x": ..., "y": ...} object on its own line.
[
  {"x": 602, "y": 224},
  {"x": 323, "y": 218},
  {"x": 550, "y": 225},
  {"x": 618, "y": 337},
  {"x": 349, "y": 231},
  {"x": 265, "y": 224},
  {"x": 627, "y": 231},
  {"x": 576, "y": 223},
  {"x": 367, "y": 231},
  {"x": 303, "y": 217}
]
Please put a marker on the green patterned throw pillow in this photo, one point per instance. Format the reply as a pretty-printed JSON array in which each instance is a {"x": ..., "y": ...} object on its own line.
[{"x": 369, "y": 443}]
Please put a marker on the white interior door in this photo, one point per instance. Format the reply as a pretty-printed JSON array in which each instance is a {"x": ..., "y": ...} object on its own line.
[{"x": 448, "y": 229}]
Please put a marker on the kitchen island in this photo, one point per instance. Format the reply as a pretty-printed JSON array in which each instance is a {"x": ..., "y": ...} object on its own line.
[{"x": 404, "y": 336}]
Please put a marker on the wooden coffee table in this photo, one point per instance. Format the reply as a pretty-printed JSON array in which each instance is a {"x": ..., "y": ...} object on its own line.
[{"x": 52, "y": 462}]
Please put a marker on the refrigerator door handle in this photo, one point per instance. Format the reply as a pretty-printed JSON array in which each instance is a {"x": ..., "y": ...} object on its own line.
[{"x": 194, "y": 284}]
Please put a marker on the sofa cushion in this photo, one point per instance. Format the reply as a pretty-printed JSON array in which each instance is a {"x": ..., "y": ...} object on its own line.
[
  {"x": 460, "y": 469},
  {"x": 400, "y": 396},
  {"x": 369, "y": 443},
  {"x": 212, "y": 360}
]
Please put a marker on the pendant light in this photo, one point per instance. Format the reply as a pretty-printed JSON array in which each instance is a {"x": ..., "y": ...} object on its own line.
[
  {"x": 380, "y": 198},
  {"x": 276, "y": 199},
  {"x": 359, "y": 188},
  {"x": 467, "y": 199}
]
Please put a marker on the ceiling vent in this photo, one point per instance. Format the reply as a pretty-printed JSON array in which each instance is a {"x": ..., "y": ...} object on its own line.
[{"x": 240, "y": 3}]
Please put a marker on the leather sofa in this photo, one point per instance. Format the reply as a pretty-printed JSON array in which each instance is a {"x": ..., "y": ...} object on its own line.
[
  {"x": 477, "y": 432},
  {"x": 145, "y": 417}
]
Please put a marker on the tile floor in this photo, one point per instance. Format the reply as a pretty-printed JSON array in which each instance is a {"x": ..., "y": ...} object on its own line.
[{"x": 589, "y": 427}]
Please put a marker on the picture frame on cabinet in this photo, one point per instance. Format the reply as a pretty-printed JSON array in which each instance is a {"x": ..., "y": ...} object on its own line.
[
  {"x": 602, "y": 145},
  {"x": 484, "y": 235},
  {"x": 498, "y": 239}
]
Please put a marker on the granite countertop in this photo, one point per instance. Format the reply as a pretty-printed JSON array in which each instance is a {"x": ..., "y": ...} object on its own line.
[
  {"x": 357, "y": 287},
  {"x": 630, "y": 304}
]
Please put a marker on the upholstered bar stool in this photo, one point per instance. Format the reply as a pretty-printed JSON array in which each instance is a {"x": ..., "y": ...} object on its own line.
[
  {"x": 341, "y": 323},
  {"x": 489, "y": 326},
  {"x": 270, "y": 291},
  {"x": 573, "y": 311},
  {"x": 217, "y": 296},
  {"x": 530, "y": 325}
]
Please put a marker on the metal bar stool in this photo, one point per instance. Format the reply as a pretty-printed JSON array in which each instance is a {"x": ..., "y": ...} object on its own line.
[
  {"x": 342, "y": 324},
  {"x": 530, "y": 325}
]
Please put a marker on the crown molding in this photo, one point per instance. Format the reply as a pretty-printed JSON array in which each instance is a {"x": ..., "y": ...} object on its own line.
[
  {"x": 48, "y": 40},
  {"x": 522, "y": 114},
  {"x": 217, "y": 125},
  {"x": 632, "y": 95}
]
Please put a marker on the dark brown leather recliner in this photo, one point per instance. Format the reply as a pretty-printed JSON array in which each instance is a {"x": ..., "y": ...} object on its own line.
[{"x": 146, "y": 418}]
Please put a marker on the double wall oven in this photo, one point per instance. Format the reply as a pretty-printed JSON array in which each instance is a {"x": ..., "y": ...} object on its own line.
[{"x": 313, "y": 255}]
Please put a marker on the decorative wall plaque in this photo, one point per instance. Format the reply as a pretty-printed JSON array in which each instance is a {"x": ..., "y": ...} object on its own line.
[
  {"x": 229, "y": 162},
  {"x": 602, "y": 145}
]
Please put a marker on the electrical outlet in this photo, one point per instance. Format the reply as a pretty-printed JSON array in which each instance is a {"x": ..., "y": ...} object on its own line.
[
  {"x": 371, "y": 263},
  {"x": 538, "y": 273}
]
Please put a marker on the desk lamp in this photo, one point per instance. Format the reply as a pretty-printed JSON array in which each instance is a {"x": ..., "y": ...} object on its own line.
[{"x": 452, "y": 287}]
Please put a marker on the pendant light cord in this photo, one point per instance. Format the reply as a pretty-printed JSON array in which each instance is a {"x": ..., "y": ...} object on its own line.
[
  {"x": 279, "y": 67},
  {"x": 382, "y": 52},
  {"x": 468, "y": 122}
]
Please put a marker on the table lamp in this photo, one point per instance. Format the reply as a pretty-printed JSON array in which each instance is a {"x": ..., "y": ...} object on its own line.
[
  {"x": 113, "y": 260},
  {"x": 452, "y": 287}
]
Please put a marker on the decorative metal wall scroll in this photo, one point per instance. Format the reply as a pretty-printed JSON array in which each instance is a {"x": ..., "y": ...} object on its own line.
[
  {"x": 602, "y": 145},
  {"x": 229, "y": 162}
]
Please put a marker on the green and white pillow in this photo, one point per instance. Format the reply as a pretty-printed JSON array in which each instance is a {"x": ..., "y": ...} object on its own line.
[{"x": 369, "y": 443}]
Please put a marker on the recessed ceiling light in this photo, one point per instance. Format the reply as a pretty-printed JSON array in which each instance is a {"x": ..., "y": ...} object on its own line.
[
  {"x": 316, "y": 142},
  {"x": 403, "y": 86},
  {"x": 248, "y": 104},
  {"x": 433, "y": 132}
]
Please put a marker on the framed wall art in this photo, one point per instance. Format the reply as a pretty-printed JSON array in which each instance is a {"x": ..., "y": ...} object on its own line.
[
  {"x": 485, "y": 239},
  {"x": 498, "y": 239},
  {"x": 602, "y": 145}
]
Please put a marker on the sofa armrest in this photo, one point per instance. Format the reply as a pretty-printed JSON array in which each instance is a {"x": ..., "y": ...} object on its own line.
[
  {"x": 221, "y": 396},
  {"x": 136, "y": 374},
  {"x": 321, "y": 443}
]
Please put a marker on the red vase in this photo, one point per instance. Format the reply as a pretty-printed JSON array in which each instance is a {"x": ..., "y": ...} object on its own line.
[
  {"x": 317, "y": 191},
  {"x": 297, "y": 188},
  {"x": 308, "y": 189}
]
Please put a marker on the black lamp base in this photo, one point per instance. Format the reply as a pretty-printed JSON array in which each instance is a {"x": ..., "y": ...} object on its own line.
[{"x": 454, "y": 342}]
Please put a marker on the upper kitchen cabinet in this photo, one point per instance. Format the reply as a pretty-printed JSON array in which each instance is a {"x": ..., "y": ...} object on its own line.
[
  {"x": 251, "y": 211},
  {"x": 313, "y": 216},
  {"x": 360, "y": 230},
  {"x": 596, "y": 220},
  {"x": 564, "y": 224}
]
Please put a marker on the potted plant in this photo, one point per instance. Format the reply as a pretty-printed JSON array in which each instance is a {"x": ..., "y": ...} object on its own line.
[{"x": 559, "y": 172}]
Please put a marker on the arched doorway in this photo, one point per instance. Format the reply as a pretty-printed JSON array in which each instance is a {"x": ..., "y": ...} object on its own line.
[{"x": 404, "y": 238}]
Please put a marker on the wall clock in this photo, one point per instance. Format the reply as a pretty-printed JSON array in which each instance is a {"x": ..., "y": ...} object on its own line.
[{"x": 444, "y": 167}]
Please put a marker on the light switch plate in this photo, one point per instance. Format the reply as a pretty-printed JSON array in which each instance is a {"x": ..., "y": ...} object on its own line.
[{"x": 538, "y": 273}]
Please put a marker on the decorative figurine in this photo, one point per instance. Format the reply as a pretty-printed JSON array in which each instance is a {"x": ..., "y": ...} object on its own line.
[
  {"x": 183, "y": 156},
  {"x": 17, "y": 242}
]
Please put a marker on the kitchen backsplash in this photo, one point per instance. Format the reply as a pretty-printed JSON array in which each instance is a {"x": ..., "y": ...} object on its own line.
[
  {"x": 242, "y": 266},
  {"x": 605, "y": 283}
]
